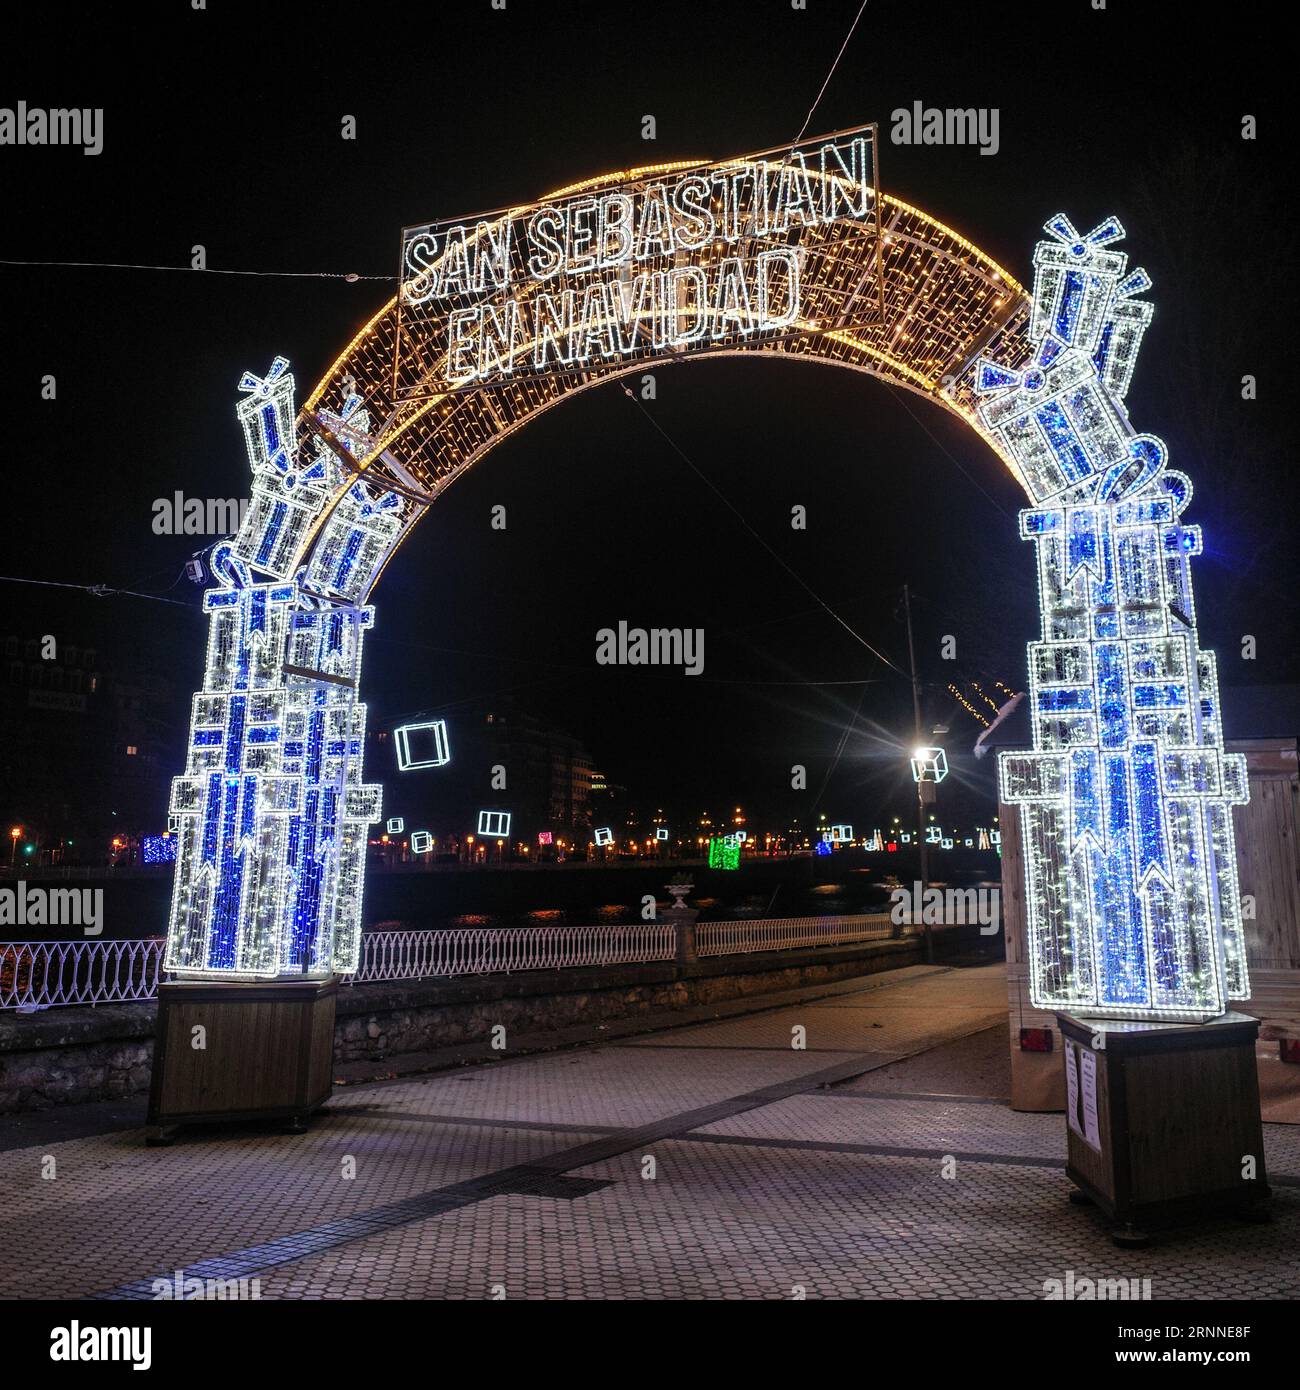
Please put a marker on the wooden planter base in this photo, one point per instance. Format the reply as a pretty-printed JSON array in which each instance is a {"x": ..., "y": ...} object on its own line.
[
  {"x": 267, "y": 1053},
  {"x": 1163, "y": 1120}
]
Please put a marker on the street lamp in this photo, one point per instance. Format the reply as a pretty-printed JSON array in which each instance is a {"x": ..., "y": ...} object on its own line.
[{"x": 929, "y": 768}]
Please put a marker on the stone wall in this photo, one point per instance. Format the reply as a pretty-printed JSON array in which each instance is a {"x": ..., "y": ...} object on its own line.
[{"x": 64, "y": 1056}]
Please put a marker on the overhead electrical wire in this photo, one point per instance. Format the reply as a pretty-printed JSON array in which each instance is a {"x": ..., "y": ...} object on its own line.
[{"x": 349, "y": 276}]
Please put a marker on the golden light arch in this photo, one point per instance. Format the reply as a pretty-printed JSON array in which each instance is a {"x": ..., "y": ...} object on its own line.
[
  {"x": 1127, "y": 793},
  {"x": 272, "y": 812},
  {"x": 937, "y": 304}
]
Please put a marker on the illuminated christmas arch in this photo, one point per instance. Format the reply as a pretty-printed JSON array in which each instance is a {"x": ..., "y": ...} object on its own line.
[{"x": 1126, "y": 795}]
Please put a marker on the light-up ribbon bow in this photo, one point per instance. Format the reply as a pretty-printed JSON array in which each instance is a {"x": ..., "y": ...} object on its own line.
[
  {"x": 1060, "y": 227},
  {"x": 992, "y": 379},
  {"x": 262, "y": 385},
  {"x": 389, "y": 502}
]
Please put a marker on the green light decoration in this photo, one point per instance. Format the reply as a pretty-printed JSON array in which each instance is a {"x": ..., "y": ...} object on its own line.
[{"x": 724, "y": 852}]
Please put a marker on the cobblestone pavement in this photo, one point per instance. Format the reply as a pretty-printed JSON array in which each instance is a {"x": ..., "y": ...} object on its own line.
[{"x": 708, "y": 1161}]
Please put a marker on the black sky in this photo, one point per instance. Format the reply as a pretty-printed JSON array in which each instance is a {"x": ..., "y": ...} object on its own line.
[{"x": 222, "y": 128}]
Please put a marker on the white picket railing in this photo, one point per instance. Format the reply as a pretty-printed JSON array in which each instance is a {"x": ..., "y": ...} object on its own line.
[
  {"x": 39, "y": 974},
  {"x": 418, "y": 955},
  {"x": 725, "y": 938}
]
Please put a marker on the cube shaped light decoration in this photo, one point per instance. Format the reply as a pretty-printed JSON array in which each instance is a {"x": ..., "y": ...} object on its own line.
[
  {"x": 929, "y": 765},
  {"x": 421, "y": 745},
  {"x": 604, "y": 836},
  {"x": 421, "y": 842},
  {"x": 494, "y": 824}
]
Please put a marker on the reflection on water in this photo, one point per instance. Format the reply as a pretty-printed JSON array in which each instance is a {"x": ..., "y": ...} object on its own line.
[
  {"x": 539, "y": 902},
  {"x": 806, "y": 900}
]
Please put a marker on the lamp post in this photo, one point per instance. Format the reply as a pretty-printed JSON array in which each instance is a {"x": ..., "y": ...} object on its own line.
[
  {"x": 15, "y": 835},
  {"x": 920, "y": 784}
]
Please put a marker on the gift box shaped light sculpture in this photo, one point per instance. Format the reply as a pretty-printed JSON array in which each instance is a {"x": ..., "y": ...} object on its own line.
[
  {"x": 271, "y": 814},
  {"x": 1125, "y": 799}
]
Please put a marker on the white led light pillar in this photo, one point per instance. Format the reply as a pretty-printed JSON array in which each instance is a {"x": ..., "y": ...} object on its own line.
[{"x": 1130, "y": 862}]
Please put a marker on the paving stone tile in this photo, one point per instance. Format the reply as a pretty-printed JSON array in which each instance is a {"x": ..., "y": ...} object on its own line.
[{"x": 729, "y": 1167}]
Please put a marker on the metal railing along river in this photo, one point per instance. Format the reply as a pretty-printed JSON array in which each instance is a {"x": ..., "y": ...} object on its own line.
[
  {"x": 40, "y": 974},
  {"x": 419, "y": 955},
  {"x": 728, "y": 937},
  {"x": 37, "y": 974}
]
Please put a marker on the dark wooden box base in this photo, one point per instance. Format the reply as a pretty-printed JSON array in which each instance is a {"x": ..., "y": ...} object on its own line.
[
  {"x": 267, "y": 1052},
  {"x": 1175, "y": 1128}
]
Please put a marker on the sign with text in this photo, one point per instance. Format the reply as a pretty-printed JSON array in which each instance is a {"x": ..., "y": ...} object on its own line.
[{"x": 682, "y": 258}]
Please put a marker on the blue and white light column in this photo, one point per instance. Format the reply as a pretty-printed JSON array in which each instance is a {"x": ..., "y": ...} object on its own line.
[
  {"x": 271, "y": 814},
  {"x": 1130, "y": 861}
]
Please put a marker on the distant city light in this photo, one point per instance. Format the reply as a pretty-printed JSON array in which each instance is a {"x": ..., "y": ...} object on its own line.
[
  {"x": 724, "y": 852},
  {"x": 158, "y": 849}
]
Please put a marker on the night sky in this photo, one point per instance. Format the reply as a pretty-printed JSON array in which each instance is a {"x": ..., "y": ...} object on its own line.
[{"x": 222, "y": 128}]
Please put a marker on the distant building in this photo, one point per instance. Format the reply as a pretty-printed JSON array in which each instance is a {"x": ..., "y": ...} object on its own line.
[{"x": 86, "y": 750}]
